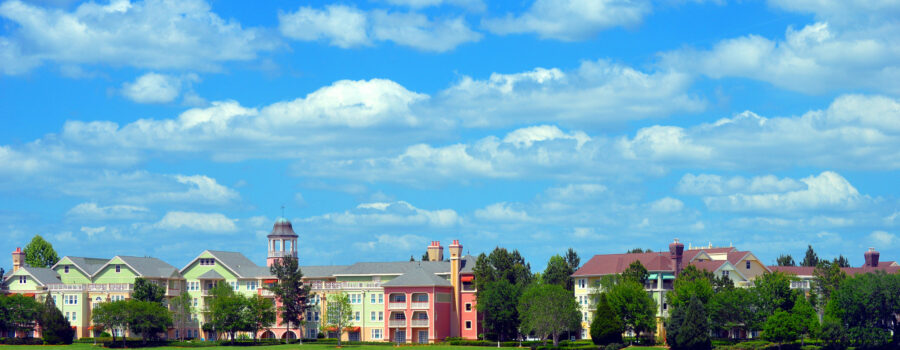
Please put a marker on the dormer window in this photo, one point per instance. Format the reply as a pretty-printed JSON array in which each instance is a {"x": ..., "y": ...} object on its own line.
[
  {"x": 23, "y": 279},
  {"x": 118, "y": 268},
  {"x": 748, "y": 264},
  {"x": 66, "y": 269},
  {"x": 207, "y": 262}
]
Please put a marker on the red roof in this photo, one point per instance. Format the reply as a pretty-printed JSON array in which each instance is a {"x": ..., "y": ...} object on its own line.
[
  {"x": 804, "y": 271},
  {"x": 794, "y": 270},
  {"x": 708, "y": 265},
  {"x": 608, "y": 264},
  {"x": 736, "y": 256}
]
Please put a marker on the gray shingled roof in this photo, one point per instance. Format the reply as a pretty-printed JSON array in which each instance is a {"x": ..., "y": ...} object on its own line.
[
  {"x": 417, "y": 278},
  {"x": 89, "y": 265},
  {"x": 394, "y": 268},
  {"x": 210, "y": 275},
  {"x": 321, "y": 271},
  {"x": 150, "y": 267},
  {"x": 44, "y": 276},
  {"x": 237, "y": 262},
  {"x": 468, "y": 263}
]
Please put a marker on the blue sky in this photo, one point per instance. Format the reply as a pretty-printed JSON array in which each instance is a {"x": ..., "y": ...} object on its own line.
[{"x": 164, "y": 128}]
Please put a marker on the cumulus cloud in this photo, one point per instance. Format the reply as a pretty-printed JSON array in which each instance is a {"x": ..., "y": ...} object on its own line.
[
  {"x": 471, "y": 5},
  {"x": 347, "y": 27},
  {"x": 392, "y": 243},
  {"x": 570, "y": 20},
  {"x": 205, "y": 222},
  {"x": 828, "y": 191},
  {"x": 882, "y": 238},
  {"x": 157, "y": 88},
  {"x": 667, "y": 205},
  {"x": 201, "y": 189},
  {"x": 398, "y": 213},
  {"x": 153, "y": 34},
  {"x": 708, "y": 184},
  {"x": 501, "y": 212},
  {"x": 92, "y": 211}
]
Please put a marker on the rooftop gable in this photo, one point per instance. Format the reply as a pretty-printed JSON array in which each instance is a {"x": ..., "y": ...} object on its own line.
[{"x": 418, "y": 278}]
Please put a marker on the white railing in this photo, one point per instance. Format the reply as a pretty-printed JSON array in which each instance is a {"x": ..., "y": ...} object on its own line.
[
  {"x": 420, "y": 323},
  {"x": 92, "y": 287},
  {"x": 419, "y": 305},
  {"x": 397, "y": 323},
  {"x": 321, "y": 285},
  {"x": 173, "y": 292},
  {"x": 266, "y": 293},
  {"x": 397, "y": 306}
]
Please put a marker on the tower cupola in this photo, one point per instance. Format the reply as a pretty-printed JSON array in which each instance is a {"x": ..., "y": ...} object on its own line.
[{"x": 282, "y": 241}]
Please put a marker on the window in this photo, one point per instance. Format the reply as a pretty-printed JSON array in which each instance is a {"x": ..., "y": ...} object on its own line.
[
  {"x": 468, "y": 306},
  {"x": 372, "y": 299},
  {"x": 207, "y": 262},
  {"x": 118, "y": 268},
  {"x": 381, "y": 315},
  {"x": 317, "y": 315},
  {"x": 195, "y": 302},
  {"x": 376, "y": 333},
  {"x": 381, "y": 298},
  {"x": 70, "y": 300},
  {"x": 584, "y": 316},
  {"x": 67, "y": 316},
  {"x": 372, "y": 318},
  {"x": 23, "y": 279},
  {"x": 252, "y": 285},
  {"x": 356, "y": 316},
  {"x": 66, "y": 268},
  {"x": 665, "y": 306},
  {"x": 582, "y": 283},
  {"x": 748, "y": 264},
  {"x": 468, "y": 324},
  {"x": 724, "y": 273},
  {"x": 74, "y": 316},
  {"x": 234, "y": 285}
]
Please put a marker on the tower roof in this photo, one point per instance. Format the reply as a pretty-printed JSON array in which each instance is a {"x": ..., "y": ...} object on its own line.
[{"x": 282, "y": 227}]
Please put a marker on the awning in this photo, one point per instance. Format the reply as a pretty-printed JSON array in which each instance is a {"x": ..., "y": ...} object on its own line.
[
  {"x": 30, "y": 295},
  {"x": 331, "y": 328},
  {"x": 468, "y": 278},
  {"x": 270, "y": 281},
  {"x": 653, "y": 276},
  {"x": 668, "y": 277},
  {"x": 352, "y": 329}
]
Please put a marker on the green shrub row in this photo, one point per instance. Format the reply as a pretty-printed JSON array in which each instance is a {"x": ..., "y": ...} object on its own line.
[
  {"x": 21, "y": 341},
  {"x": 765, "y": 345}
]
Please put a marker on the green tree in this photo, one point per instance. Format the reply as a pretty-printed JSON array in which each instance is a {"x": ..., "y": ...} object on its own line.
[
  {"x": 832, "y": 334},
  {"x": 636, "y": 272},
  {"x": 147, "y": 318},
  {"x": 733, "y": 308},
  {"x": 606, "y": 328},
  {"x": 806, "y": 318},
  {"x": 40, "y": 253},
  {"x": 688, "y": 328},
  {"x": 259, "y": 314},
  {"x": 785, "y": 260},
  {"x": 20, "y": 313},
  {"x": 810, "y": 259},
  {"x": 691, "y": 282},
  {"x": 548, "y": 310},
  {"x": 572, "y": 259},
  {"x": 638, "y": 251},
  {"x": 111, "y": 316},
  {"x": 145, "y": 290},
  {"x": 181, "y": 308},
  {"x": 827, "y": 278},
  {"x": 498, "y": 305},
  {"x": 867, "y": 305},
  {"x": 227, "y": 310},
  {"x": 503, "y": 264},
  {"x": 773, "y": 291},
  {"x": 632, "y": 305},
  {"x": 339, "y": 313},
  {"x": 781, "y": 327},
  {"x": 55, "y": 329},
  {"x": 558, "y": 272},
  {"x": 842, "y": 261},
  {"x": 290, "y": 291}
]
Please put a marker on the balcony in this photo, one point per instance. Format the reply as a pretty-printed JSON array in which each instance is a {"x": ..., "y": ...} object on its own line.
[
  {"x": 420, "y": 323},
  {"x": 173, "y": 292},
  {"x": 397, "y": 323},
  {"x": 93, "y": 287},
  {"x": 266, "y": 293},
  {"x": 419, "y": 305},
  {"x": 328, "y": 286},
  {"x": 397, "y": 305}
]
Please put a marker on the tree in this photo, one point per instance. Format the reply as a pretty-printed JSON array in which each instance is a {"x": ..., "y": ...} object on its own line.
[
  {"x": 733, "y": 308},
  {"x": 785, "y": 260},
  {"x": 773, "y": 292},
  {"x": 111, "y": 316},
  {"x": 806, "y": 318},
  {"x": 227, "y": 310},
  {"x": 842, "y": 261},
  {"x": 810, "y": 259},
  {"x": 55, "y": 329},
  {"x": 691, "y": 281},
  {"x": 606, "y": 328},
  {"x": 688, "y": 328},
  {"x": 290, "y": 291},
  {"x": 832, "y": 334},
  {"x": 424, "y": 256},
  {"x": 631, "y": 304},
  {"x": 145, "y": 290},
  {"x": 636, "y": 272},
  {"x": 181, "y": 309},
  {"x": 339, "y": 313},
  {"x": 866, "y": 305},
  {"x": 498, "y": 305},
  {"x": 259, "y": 314},
  {"x": 572, "y": 259},
  {"x": 558, "y": 272},
  {"x": 548, "y": 310},
  {"x": 20, "y": 313},
  {"x": 40, "y": 253},
  {"x": 781, "y": 327},
  {"x": 827, "y": 278},
  {"x": 503, "y": 264},
  {"x": 638, "y": 251},
  {"x": 147, "y": 318}
]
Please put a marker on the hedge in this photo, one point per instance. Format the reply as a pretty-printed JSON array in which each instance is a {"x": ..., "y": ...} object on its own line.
[{"x": 21, "y": 341}]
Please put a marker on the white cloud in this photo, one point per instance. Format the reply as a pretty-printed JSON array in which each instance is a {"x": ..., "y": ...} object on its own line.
[
  {"x": 347, "y": 27},
  {"x": 827, "y": 190},
  {"x": 501, "y": 212},
  {"x": 93, "y": 231},
  {"x": 571, "y": 20},
  {"x": 398, "y": 213},
  {"x": 576, "y": 192},
  {"x": 883, "y": 239},
  {"x": 664, "y": 143},
  {"x": 92, "y": 211},
  {"x": 667, "y": 205},
  {"x": 844, "y": 12},
  {"x": 206, "y": 222},
  {"x": 471, "y": 5},
  {"x": 707, "y": 184},
  {"x": 524, "y": 137},
  {"x": 152, "y": 34},
  {"x": 157, "y": 88},
  {"x": 392, "y": 242},
  {"x": 596, "y": 93}
]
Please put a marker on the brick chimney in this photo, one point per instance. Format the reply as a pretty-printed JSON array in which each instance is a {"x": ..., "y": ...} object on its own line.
[
  {"x": 18, "y": 257},
  {"x": 435, "y": 251},
  {"x": 676, "y": 252},
  {"x": 872, "y": 257}
]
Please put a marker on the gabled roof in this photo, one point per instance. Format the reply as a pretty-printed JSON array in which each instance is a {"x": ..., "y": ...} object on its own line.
[
  {"x": 394, "y": 268},
  {"x": 41, "y": 275},
  {"x": 321, "y": 271},
  {"x": 88, "y": 266},
  {"x": 709, "y": 265},
  {"x": 608, "y": 264},
  {"x": 210, "y": 275},
  {"x": 147, "y": 267},
  {"x": 467, "y": 264},
  {"x": 235, "y": 262},
  {"x": 418, "y": 278}
]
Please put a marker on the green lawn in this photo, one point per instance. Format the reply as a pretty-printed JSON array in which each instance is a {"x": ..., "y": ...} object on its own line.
[{"x": 278, "y": 347}]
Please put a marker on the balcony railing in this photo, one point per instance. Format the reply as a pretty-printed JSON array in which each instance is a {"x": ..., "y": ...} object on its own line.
[
  {"x": 397, "y": 323},
  {"x": 322, "y": 285},
  {"x": 173, "y": 292},
  {"x": 92, "y": 287},
  {"x": 397, "y": 305},
  {"x": 419, "y": 305},
  {"x": 266, "y": 293},
  {"x": 420, "y": 323},
  {"x": 279, "y": 254}
]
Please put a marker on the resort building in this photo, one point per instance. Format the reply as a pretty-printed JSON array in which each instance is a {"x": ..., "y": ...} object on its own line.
[
  {"x": 403, "y": 302},
  {"x": 804, "y": 275}
]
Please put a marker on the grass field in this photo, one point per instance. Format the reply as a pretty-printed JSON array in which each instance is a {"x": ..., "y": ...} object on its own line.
[{"x": 279, "y": 347}]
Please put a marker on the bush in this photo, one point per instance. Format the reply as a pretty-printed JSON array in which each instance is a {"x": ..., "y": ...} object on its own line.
[
  {"x": 21, "y": 341},
  {"x": 606, "y": 328},
  {"x": 614, "y": 346}
]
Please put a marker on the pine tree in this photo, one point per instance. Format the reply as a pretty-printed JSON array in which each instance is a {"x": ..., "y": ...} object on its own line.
[
  {"x": 689, "y": 328},
  {"x": 290, "y": 291},
  {"x": 55, "y": 328},
  {"x": 606, "y": 328},
  {"x": 811, "y": 259}
]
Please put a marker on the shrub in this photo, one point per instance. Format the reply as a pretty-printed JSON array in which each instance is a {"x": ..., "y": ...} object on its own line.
[
  {"x": 606, "y": 328},
  {"x": 614, "y": 346}
]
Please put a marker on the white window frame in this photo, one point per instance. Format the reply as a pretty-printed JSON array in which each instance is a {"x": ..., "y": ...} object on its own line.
[{"x": 468, "y": 324}]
